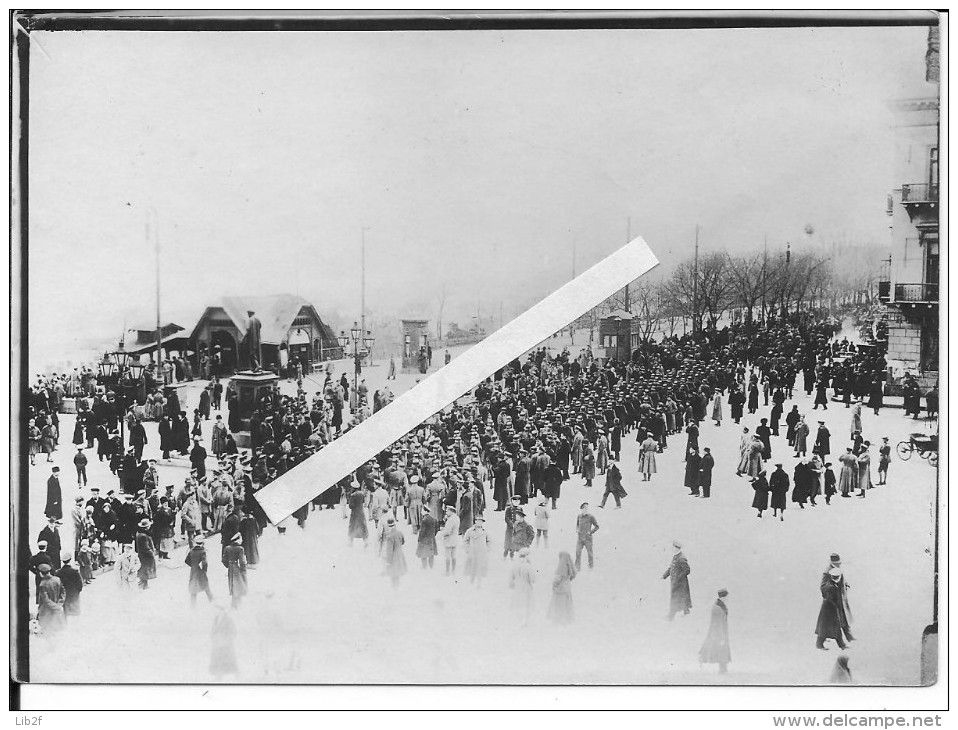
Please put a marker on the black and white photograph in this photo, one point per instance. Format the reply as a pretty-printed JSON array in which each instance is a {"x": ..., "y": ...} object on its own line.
[{"x": 507, "y": 354}]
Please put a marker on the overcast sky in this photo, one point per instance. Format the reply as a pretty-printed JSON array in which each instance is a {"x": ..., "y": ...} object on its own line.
[{"x": 474, "y": 159}]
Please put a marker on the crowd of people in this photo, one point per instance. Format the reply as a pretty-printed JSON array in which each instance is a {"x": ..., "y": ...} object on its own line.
[{"x": 508, "y": 447}]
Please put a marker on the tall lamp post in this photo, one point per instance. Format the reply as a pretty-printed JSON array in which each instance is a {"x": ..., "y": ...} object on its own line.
[{"x": 362, "y": 346}]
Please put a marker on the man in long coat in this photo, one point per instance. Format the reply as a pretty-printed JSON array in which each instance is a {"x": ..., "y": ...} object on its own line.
[
  {"x": 501, "y": 472},
  {"x": 844, "y": 610},
  {"x": 54, "y": 507},
  {"x": 199, "y": 582},
  {"x": 823, "y": 446},
  {"x": 234, "y": 558},
  {"x": 848, "y": 476},
  {"x": 715, "y": 648},
  {"x": 829, "y": 625},
  {"x": 146, "y": 552},
  {"x": 51, "y": 536},
  {"x": 705, "y": 473},
  {"x": 393, "y": 552},
  {"x": 50, "y": 599},
  {"x": 678, "y": 571},
  {"x": 413, "y": 501},
  {"x": 778, "y": 485}
]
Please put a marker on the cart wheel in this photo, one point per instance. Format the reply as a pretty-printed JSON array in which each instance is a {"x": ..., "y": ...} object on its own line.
[
  {"x": 904, "y": 450},
  {"x": 933, "y": 458}
]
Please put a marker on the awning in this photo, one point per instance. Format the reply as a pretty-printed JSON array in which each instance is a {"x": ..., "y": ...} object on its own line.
[{"x": 177, "y": 341}]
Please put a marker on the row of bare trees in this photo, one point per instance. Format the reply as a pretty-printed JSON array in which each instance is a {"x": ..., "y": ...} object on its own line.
[{"x": 755, "y": 285}]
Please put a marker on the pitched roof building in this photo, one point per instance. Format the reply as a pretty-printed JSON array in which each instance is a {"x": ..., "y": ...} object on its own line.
[{"x": 291, "y": 329}]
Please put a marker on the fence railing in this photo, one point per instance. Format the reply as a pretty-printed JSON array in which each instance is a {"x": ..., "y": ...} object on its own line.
[
  {"x": 919, "y": 193},
  {"x": 916, "y": 292}
]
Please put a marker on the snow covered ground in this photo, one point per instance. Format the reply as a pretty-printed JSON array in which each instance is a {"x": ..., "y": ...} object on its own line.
[{"x": 333, "y": 609}]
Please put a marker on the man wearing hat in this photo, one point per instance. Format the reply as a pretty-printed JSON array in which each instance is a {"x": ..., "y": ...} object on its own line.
[
  {"x": 585, "y": 527},
  {"x": 79, "y": 462},
  {"x": 844, "y": 611},
  {"x": 54, "y": 506},
  {"x": 51, "y": 536},
  {"x": 72, "y": 585},
  {"x": 829, "y": 625},
  {"x": 678, "y": 571},
  {"x": 234, "y": 558},
  {"x": 450, "y": 539},
  {"x": 884, "y": 458},
  {"x": 146, "y": 552},
  {"x": 198, "y": 582},
  {"x": 40, "y": 557},
  {"x": 393, "y": 555}
]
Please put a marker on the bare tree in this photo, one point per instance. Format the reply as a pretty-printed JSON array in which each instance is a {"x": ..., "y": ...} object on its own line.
[
  {"x": 747, "y": 275},
  {"x": 644, "y": 304},
  {"x": 700, "y": 290}
]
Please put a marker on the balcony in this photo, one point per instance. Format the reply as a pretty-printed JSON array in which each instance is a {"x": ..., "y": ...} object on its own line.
[
  {"x": 915, "y": 293},
  {"x": 919, "y": 193},
  {"x": 884, "y": 291}
]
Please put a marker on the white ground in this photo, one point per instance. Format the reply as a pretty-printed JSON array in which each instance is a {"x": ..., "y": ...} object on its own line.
[{"x": 335, "y": 610}]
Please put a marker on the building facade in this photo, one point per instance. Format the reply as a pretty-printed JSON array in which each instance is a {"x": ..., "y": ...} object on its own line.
[{"x": 911, "y": 291}]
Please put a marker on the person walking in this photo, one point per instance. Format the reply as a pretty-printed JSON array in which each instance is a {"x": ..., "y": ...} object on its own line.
[
  {"x": 848, "y": 476},
  {"x": 72, "y": 585},
  {"x": 613, "y": 487},
  {"x": 561, "y": 609},
  {"x": 51, "y": 597},
  {"x": 829, "y": 620},
  {"x": 678, "y": 570},
  {"x": 357, "y": 517},
  {"x": 585, "y": 527},
  {"x": 693, "y": 463},
  {"x": 844, "y": 610},
  {"x": 864, "y": 469},
  {"x": 884, "y": 459},
  {"x": 234, "y": 559},
  {"x": 778, "y": 484},
  {"x": 80, "y": 462},
  {"x": 760, "y": 500},
  {"x": 198, "y": 581},
  {"x": 542, "y": 521},
  {"x": 715, "y": 648}
]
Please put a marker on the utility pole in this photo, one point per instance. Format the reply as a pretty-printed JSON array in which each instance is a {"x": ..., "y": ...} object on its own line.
[
  {"x": 695, "y": 285},
  {"x": 573, "y": 256},
  {"x": 362, "y": 312},
  {"x": 628, "y": 237},
  {"x": 156, "y": 240}
]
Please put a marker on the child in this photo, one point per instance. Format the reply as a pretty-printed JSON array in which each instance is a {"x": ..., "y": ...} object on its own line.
[
  {"x": 129, "y": 566},
  {"x": 95, "y": 555},
  {"x": 84, "y": 564},
  {"x": 542, "y": 521}
]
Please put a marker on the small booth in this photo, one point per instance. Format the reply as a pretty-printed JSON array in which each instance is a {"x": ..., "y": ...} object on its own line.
[
  {"x": 415, "y": 338},
  {"x": 615, "y": 335},
  {"x": 250, "y": 387}
]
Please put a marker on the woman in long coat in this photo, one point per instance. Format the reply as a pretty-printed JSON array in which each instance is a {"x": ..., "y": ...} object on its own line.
[
  {"x": 715, "y": 648},
  {"x": 146, "y": 552},
  {"x": 848, "y": 476},
  {"x": 744, "y": 449},
  {"x": 693, "y": 463},
  {"x": 561, "y": 610},
  {"x": 476, "y": 542},
  {"x": 864, "y": 472},
  {"x": 426, "y": 548},
  {"x": 357, "y": 517},
  {"x": 760, "y": 500},
  {"x": 856, "y": 420},
  {"x": 647, "y": 466}
]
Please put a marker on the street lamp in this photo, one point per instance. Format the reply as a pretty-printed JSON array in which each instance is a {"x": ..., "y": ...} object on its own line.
[{"x": 362, "y": 347}]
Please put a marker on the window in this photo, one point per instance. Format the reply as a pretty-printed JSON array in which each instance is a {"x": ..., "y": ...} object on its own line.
[
  {"x": 930, "y": 243},
  {"x": 609, "y": 341},
  {"x": 933, "y": 166}
]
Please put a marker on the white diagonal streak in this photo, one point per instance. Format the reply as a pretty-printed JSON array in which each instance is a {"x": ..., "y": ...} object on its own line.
[{"x": 344, "y": 455}]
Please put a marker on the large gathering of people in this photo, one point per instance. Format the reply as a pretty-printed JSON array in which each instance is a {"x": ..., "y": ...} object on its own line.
[{"x": 507, "y": 447}]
